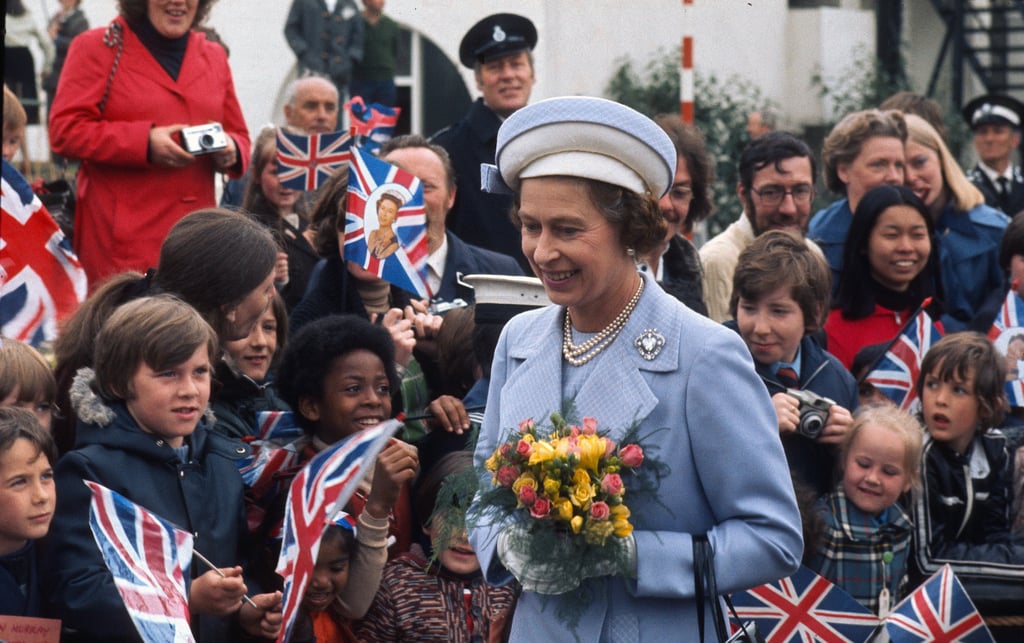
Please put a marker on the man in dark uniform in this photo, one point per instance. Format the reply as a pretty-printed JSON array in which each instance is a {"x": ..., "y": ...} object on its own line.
[
  {"x": 996, "y": 122},
  {"x": 498, "y": 50}
]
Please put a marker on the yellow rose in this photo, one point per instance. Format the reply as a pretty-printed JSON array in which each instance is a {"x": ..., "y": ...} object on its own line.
[
  {"x": 542, "y": 452},
  {"x": 492, "y": 462},
  {"x": 525, "y": 479},
  {"x": 563, "y": 508},
  {"x": 580, "y": 477},
  {"x": 581, "y": 495},
  {"x": 528, "y": 438},
  {"x": 620, "y": 512},
  {"x": 576, "y": 523},
  {"x": 621, "y": 528},
  {"x": 551, "y": 488}
]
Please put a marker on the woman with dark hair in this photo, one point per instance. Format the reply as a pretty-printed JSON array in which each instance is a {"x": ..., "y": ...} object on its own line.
[
  {"x": 675, "y": 262},
  {"x": 126, "y": 94},
  {"x": 888, "y": 271},
  {"x": 586, "y": 174},
  {"x": 219, "y": 262},
  {"x": 283, "y": 211}
]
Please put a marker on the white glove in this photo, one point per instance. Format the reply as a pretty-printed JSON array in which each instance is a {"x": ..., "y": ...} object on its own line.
[{"x": 534, "y": 577}]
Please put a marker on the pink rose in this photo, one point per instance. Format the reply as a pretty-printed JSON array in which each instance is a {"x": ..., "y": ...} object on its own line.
[
  {"x": 527, "y": 495},
  {"x": 505, "y": 450},
  {"x": 600, "y": 510},
  {"x": 574, "y": 431},
  {"x": 632, "y": 456},
  {"x": 609, "y": 446},
  {"x": 524, "y": 449},
  {"x": 589, "y": 426},
  {"x": 526, "y": 426},
  {"x": 541, "y": 508},
  {"x": 611, "y": 484},
  {"x": 507, "y": 475}
]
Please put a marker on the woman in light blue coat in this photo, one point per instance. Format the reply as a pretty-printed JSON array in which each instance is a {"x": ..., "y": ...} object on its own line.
[{"x": 586, "y": 174}]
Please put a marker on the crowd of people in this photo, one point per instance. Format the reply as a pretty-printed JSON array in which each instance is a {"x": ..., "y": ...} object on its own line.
[{"x": 740, "y": 365}]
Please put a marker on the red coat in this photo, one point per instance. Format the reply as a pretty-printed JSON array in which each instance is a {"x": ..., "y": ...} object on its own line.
[
  {"x": 126, "y": 205},
  {"x": 846, "y": 337}
]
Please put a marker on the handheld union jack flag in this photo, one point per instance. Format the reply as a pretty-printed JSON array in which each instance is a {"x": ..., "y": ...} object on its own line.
[
  {"x": 324, "y": 484},
  {"x": 304, "y": 162},
  {"x": 385, "y": 223},
  {"x": 148, "y": 558},
  {"x": 374, "y": 124},
  {"x": 41, "y": 280},
  {"x": 805, "y": 608},
  {"x": 265, "y": 470},
  {"x": 1007, "y": 334},
  {"x": 939, "y": 610},
  {"x": 895, "y": 374}
]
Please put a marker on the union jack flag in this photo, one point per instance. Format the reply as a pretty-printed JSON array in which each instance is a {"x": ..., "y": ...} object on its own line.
[
  {"x": 274, "y": 457},
  {"x": 1007, "y": 326},
  {"x": 370, "y": 178},
  {"x": 148, "y": 558},
  {"x": 304, "y": 162},
  {"x": 279, "y": 427},
  {"x": 805, "y": 608},
  {"x": 895, "y": 374},
  {"x": 939, "y": 610},
  {"x": 41, "y": 280},
  {"x": 374, "y": 124},
  {"x": 324, "y": 484}
]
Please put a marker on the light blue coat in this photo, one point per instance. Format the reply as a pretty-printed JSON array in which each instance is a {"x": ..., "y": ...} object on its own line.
[{"x": 728, "y": 475}]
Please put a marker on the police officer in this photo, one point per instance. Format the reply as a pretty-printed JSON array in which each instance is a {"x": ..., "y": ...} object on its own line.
[
  {"x": 996, "y": 122},
  {"x": 499, "y": 51}
]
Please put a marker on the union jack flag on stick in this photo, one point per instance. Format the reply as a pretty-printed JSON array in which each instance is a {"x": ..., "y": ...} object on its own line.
[
  {"x": 895, "y": 373},
  {"x": 323, "y": 486},
  {"x": 385, "y": 223},
  {"x": 304, "y": 162},
  {"x": 41, "y": 280},
  {"x": 148, "y": 558},
  {"x": 805, "y": 608},
  {"x": 940, "y": 611},
  {"x": 265, "y": 470},
  {"x": 373, "y": 123},
  {"x": 1008, "y": 328}
]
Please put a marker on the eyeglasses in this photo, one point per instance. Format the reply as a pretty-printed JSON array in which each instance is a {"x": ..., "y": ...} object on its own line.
[{"x": 774, "y": 194}]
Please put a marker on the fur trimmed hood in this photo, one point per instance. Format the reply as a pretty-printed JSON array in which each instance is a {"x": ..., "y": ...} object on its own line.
[{"x": 91, "y": 408}]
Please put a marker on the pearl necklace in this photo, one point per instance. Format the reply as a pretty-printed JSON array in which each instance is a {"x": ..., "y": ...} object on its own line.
[{"x": 588, "y": 350}]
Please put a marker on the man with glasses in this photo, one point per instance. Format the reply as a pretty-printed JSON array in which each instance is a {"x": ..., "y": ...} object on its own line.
[{"x": 776, "y": 189}]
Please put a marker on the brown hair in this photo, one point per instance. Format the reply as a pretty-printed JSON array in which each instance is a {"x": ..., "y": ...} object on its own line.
[
  {"x": 689, "y": 142},
  {"x": 956, "y": 356},
  {"x": 911, "y": 103},
  {"x": 455, "y": 358},
  {"x": 160, "y": 332},
  {"x": 27, "y": 371},
  {"x": 17, "y": 423},
  {"x": 899, "y": 422},
  {"x": 637, "y": 217},
  {"x": 14, "y": 114},
  {"x": 844, "y": 142},
  {"x": 778, "y": 259},
  {"x": 135, "y": 11},
  {"x": 328, "y": 219},
  {"x": 407, "y": 141}
]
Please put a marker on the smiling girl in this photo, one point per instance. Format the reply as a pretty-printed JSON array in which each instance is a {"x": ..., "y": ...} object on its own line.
[{"x": 887, "y": 271}]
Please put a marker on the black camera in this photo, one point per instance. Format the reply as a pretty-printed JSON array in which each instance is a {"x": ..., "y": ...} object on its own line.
[
  {"x": 813, "y": 412},
  {"x": 204, "y": 139}
]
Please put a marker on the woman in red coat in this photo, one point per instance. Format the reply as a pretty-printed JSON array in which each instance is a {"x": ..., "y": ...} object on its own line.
[{"x": 125, "y": 94}]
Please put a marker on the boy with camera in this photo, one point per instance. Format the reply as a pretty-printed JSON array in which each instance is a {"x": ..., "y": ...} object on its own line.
[{"x": 779, "y": 297}]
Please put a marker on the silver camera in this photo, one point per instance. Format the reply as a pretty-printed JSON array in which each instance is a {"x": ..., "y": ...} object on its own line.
[
  {"x": 813, "y": 412},
  {"x": 204, "y": 139}
]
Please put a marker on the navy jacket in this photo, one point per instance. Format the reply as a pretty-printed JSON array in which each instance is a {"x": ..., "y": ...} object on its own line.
[
  {"x": 1012, "y": 204},
  {"x": 471, "y": 260},
  {"x": 479, "y": 218},
  {"x": 813, "y": 463},
  {"x": 202, "y": 496},
  {"x": 12, "y": 601}
]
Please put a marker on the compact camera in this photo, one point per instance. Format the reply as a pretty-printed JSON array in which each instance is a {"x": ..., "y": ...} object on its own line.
[
  {"x": 204, "y": 139},
  {"x": 813, "y": 412}
]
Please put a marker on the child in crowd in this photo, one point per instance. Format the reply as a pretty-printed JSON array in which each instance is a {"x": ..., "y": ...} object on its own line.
[
  {"x": 245, "y": 376},
  {"x": 27, "y": 498},
  {"x": 338, "y": 374},
  {"x": 865, "y": 359},
  {"x": 867, "y": 542},
  {"x": 14, "y": 124},
  {"x": 445, "y": 599},
  {"x": 780, "y": 294},
  {"x": 962, "y": 516},
  {"x": 143, "y": 432},
  {"x": 320, "y": 619},
  {"x": 27, "y": 381}
]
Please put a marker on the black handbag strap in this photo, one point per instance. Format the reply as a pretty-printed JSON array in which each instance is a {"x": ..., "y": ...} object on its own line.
[
  {"x": 112, "y": 37},
  {"x": 706, "y": 587}
]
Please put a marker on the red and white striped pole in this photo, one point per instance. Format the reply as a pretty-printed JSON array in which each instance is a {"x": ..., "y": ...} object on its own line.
[{"x": 686, "y": 69}]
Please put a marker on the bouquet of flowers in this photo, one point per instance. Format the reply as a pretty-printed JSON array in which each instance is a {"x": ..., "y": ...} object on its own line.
[{"x": 565, "y": 485}]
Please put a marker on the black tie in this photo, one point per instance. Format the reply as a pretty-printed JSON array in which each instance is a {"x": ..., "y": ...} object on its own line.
[
  {"x": 787, "y": 377},
  {"x": 1004, "y": 186}
]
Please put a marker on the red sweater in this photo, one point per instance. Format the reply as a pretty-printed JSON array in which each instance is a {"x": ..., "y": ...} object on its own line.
[{"x": 847, "y": 336}]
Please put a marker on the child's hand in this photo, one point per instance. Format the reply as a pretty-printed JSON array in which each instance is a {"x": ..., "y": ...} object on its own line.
[
  {"x": 211, "y": 594},
  {"x": 281, "y": 269},
  {"x": 838, "y": 425},
  {"x": 402, "y": 334},
  {"x": 264, "y": 620},
  {"x": 449, "y": 414},
  {"x": 787, "y": 410},
  {"x": 396, "y": 465}
]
